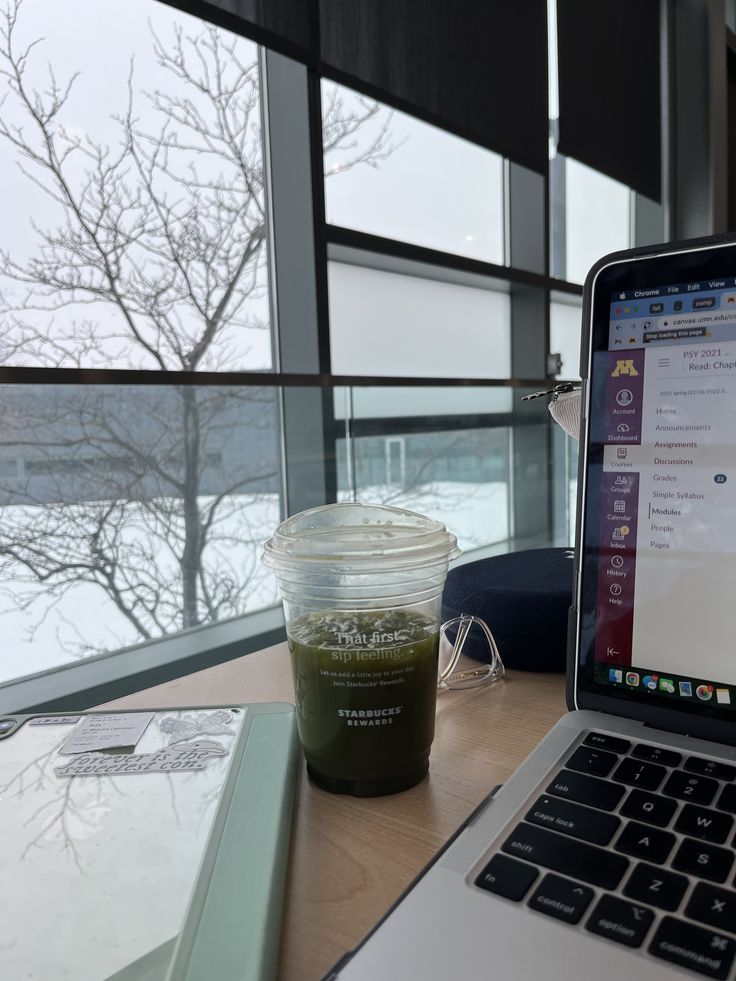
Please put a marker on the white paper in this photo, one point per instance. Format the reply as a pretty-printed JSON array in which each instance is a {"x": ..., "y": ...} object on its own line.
[{"x": 97, "y": 732}]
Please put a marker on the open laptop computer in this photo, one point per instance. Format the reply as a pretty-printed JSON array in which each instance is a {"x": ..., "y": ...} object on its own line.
[{"x": 610, "y": 852}]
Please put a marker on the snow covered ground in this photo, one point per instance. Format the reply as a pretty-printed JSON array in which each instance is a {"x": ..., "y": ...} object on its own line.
[{"x": 46, "y": 633}]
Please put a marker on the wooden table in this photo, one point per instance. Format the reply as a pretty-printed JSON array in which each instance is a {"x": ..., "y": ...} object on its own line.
[{"x": 351, "y": 858}]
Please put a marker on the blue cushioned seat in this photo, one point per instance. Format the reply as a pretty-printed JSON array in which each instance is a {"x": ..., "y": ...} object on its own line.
[{"x": 524, "y": 597}]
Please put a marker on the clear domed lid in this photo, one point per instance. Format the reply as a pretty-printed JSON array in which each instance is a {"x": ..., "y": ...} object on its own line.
[{"x": 359, "y": 534}]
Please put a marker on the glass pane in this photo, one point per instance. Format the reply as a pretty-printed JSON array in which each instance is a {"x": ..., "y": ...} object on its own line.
[
  {"x": 597, "y": 216},
  {"x": 130, "y": 512},
  {"x": 564, "y": 335},
  {"x": 424, "y": 401},
  {"x": 460, "y": 478},
  {"x": 389, "y": 174},
  {"x": 386, "y": 324},
  {"x": 133, "y": 230}
]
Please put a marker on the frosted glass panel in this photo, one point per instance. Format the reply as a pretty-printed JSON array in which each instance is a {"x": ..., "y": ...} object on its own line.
[
  {"x": 388, "y": 403},
  {"x": 389, "y": 324}
]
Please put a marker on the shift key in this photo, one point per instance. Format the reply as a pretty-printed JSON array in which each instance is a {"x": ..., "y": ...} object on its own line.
[
  {"x": 574, "y": 858},
  {"x": 586, "y": 790}
]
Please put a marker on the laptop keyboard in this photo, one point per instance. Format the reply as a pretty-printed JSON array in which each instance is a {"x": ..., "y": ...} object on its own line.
[{"x": 637, "y": 842}]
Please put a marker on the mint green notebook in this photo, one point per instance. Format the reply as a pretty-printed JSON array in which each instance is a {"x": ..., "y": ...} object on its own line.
[{"x": 145, "y": 846}]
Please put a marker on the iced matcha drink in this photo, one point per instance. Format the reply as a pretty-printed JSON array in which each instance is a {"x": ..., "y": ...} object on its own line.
[
  {"x": 365, "y": 688},
  {"x": 362, "y": 586}
]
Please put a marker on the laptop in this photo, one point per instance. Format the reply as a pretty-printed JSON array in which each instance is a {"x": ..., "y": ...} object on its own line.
[{"x": 609, "y": 853}]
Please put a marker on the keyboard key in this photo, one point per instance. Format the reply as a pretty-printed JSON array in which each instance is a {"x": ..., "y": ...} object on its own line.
[
  {"x": 702, "y": 822},
  {"x": 602, "y": 741},
  {"x": 574, "y": 858},
  {"x": 714, "y": 906},
  {"x": 687, "y": 786},
  {"x": 646, "y": 775},
  {"x": 645, "y": 842},
  {"x": 649, "y": 807},
  {"x": 705, "y": 861},
  {"x": 593, "y": 761},
  {"x": 656, "y": 754},
  {"x": 626, "y": 923},
  {"x": 656, "y": 886},
  {"x": 727, "y": 800},
  {"x": 689, "y": 946},
  {"x": 710, "y": 768},
  {"x": 506, "y": 877},
  {"x": 574, "y": 820},
  {"x": 586, "y": 790},
  {"x": 561, "y": 898}
]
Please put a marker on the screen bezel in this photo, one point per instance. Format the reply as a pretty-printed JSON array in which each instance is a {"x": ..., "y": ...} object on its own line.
[{"x": 710, "y": 258}]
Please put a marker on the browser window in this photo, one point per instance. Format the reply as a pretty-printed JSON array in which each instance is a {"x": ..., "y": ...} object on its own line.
[{"x": 666, "y": 390}]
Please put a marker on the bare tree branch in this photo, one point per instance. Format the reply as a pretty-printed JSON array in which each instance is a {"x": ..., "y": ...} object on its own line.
[{"x": 150, "y": 254}]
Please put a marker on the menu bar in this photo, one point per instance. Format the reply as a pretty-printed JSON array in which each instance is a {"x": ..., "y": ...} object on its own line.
[{"x": 675, "y": 289}]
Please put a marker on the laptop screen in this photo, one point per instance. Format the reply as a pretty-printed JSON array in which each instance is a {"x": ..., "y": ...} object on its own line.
[{"x": 659, "y": 571}]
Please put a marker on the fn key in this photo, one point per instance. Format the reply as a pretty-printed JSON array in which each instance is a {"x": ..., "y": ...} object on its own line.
[{"x": 507, "y": 877}]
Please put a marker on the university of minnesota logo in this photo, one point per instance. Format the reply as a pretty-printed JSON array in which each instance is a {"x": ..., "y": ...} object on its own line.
[{"x": 624, "y": 367}]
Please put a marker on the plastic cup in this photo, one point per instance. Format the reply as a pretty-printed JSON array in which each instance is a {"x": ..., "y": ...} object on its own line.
[{"x": 362, "y": 587}]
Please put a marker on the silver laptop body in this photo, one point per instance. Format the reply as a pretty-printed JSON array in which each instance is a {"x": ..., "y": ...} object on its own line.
[{"x": 609, "y": 852}]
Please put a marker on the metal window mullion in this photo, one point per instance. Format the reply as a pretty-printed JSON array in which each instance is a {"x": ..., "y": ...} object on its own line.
[{"x": 295, "y": 275}]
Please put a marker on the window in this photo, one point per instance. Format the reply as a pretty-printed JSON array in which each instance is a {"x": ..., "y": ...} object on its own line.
[
  {"x": 460, "y": 478},
  {"x": 134, "y": 501},
  {"x": 420, "y": 401},
  {"x": 133, "y": 227},
  {"x": 133, "y": 512},
  {"x": 389, "y": 174},
  {"x": 597, "y": 218},
  {"x": 565, "y": 329},
  {"x": 382, "y": 323},
  {"x": 133, "y": 237}
]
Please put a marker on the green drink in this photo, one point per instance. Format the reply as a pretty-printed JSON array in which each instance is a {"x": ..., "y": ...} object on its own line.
[
  {"x": 365, "y": 688},
  {"x": 362, "y": 589}
]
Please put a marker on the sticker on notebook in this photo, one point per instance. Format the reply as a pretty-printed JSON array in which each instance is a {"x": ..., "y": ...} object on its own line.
[
  {"x": 171, "y": 759},
  {"x": 113, "y": 731},
  {"x": 54, "y": 720},
  {"x": 189, "y": 726}
]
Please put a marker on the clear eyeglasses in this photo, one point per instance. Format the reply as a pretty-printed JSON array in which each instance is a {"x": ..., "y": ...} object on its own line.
[{"x": 468, "y": 656}]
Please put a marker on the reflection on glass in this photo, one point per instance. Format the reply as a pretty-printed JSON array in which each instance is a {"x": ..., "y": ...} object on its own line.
[
  {"x": 460, "y": 478},
  {"x": 388, "y": 324},
  {"x": 133, "y": 230},
  {"x": 130, "y": 512},
  {"x": 597, "y": 218},
  {"x": 389, "y": 174}
]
